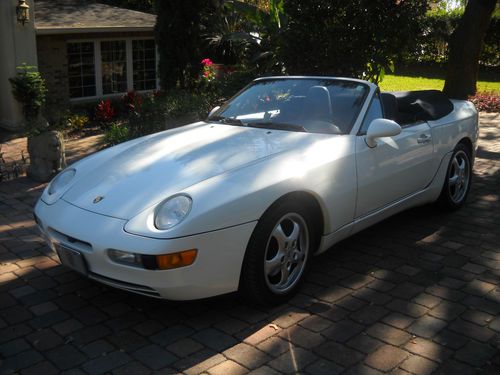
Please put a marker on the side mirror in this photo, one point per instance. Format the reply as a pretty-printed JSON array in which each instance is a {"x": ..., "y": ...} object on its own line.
[
  {"x": 380, "y": 128},
  {"x": 213, "y": 111}
]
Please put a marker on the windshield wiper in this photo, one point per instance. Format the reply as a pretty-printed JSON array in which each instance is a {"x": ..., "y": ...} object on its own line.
[
  {"x": 278, "y": 126},
  {"x": 227, "y": 120}
]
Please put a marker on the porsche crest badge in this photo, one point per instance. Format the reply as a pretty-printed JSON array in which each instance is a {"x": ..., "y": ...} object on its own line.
[{"x": 98, "y": 199}]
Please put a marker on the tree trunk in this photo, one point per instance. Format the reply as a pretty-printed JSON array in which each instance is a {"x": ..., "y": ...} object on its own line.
[{"x": 465, "y": 47}]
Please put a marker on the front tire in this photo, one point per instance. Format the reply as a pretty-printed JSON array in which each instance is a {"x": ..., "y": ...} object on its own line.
[
  {"x": 458, "y": 179},
  {"x": 278, "y": 253}
]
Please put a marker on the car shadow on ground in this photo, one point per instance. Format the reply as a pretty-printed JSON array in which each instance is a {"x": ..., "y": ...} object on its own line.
[{"x": 418, "y": 292}]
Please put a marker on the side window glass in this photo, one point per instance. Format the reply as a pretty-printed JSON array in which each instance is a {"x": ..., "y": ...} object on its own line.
[{"x": 374, "y": 112}]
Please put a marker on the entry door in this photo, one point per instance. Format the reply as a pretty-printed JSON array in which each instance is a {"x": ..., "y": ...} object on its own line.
[{"x": 398, "y": 166}]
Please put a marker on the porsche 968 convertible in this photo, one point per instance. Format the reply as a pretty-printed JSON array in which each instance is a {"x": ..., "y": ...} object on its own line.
[{"x": 242, "y": 201}]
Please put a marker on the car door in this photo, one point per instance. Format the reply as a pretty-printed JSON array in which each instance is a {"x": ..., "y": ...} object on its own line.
[{"x": 397, "y": 167}]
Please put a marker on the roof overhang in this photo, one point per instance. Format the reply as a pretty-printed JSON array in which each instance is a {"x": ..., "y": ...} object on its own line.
[{"x": 87, "y": 30}]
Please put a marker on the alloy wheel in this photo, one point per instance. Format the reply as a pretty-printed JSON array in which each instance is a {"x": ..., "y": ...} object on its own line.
[
  {"x": 459, "y": 177},
  {"x": 286, "y": 253}
]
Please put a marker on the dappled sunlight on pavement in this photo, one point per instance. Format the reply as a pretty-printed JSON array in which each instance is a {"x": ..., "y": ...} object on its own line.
[{"x": 418, "y": 293}]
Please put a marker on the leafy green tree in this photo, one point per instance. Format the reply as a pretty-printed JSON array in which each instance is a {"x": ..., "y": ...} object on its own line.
[
  {"x": 178, "y": 37},
  {"x": 357, "y": 38}
]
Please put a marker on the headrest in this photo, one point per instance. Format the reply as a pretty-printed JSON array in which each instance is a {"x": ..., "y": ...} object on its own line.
[{"x": 318, "y": 104}]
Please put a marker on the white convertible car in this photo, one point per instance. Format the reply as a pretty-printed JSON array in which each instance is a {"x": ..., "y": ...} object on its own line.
[{"x": 241, "y": 201}]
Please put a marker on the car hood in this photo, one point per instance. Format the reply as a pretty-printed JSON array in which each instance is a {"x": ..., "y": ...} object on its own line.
[{"x": 156, "y": 167}]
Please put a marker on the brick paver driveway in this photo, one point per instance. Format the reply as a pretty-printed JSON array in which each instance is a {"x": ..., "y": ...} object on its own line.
[{"x": 418, "y": 293}]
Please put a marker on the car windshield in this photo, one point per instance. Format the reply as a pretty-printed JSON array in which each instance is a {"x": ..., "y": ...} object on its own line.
[{"x": 312, "y": 105}]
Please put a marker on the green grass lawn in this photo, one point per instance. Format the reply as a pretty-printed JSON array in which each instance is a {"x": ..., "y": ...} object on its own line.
[{"x": 405, "y": 83}]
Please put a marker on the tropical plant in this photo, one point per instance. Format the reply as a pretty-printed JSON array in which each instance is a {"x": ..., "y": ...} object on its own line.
[
  {"x": 105, "y": 112},
  {"x": 219, "y": 36},
  {"x": 263, "y": 36}
]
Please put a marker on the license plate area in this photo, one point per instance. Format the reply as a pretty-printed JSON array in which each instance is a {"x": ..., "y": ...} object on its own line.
[{"x": 71, "y": 258}]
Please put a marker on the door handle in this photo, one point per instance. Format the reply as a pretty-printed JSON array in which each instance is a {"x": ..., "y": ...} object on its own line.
[{"x": 424, "y": 139}]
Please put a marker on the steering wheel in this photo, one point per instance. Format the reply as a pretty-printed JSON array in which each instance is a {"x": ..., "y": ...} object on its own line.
[{"x": 320, "y": 126}]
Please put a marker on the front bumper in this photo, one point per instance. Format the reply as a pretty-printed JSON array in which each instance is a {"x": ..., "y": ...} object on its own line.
[{"x": 215, "y": 271}]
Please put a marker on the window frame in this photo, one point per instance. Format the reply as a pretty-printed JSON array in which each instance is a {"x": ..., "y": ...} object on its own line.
[
  {"x": 356, "y": 117},
  {"x": 144, "y": 60},
  {"x": 376, "y": 93},
  {"x": 98, "y": 66},
  {"x": 81, "y": 76}
]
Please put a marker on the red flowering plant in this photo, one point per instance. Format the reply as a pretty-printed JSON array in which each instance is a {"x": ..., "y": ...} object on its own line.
[
  {"x": 209, "y": 72},
  {"x": 132, "y": 101},
  {"x": 486, "y": 101},
  {"x": 105, "y": 112}
]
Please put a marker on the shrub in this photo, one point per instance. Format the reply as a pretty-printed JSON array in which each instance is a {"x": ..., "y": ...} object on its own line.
[
  {"x": 487, "y": 102},
  {"x": 132, "y": 101},
  {"x": 28, "y": 88},
  {"x": 151, "y": 118},
  {"x": 116, "y": 133},
  {"x": 160, "y": 110},
  {"x": 432, "y": 44},
  {"x": 227, "y": 85}
]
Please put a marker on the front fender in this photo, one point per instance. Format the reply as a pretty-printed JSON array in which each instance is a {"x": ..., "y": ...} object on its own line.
[{"x": 326, "y": 170}]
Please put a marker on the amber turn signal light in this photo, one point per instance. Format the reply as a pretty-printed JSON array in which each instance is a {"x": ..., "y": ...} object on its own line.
[{"x": 176, "y": 260}]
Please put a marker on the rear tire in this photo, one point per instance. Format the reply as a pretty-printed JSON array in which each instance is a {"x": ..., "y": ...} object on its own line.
[
  {"x": 458, "y": 179},
  {"x": 278, "y": 253}
]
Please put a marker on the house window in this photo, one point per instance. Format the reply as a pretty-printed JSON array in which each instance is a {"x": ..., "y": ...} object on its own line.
[
  {"x": 114, "y": 67},
  {"x": 106, "y": 67},
  {"x": 81, "y": 69},
  {"x": 144, "y": 63}
]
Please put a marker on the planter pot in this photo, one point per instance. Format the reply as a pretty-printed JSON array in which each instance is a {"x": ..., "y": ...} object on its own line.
[{"x": 47, "y": 155}]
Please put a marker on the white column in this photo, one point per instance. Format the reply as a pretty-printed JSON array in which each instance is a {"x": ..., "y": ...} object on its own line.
[{"x": 98, "y": 68}]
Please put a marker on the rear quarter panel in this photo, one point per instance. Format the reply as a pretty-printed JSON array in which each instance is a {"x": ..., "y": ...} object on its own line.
[{"x": 461, "y": 123}]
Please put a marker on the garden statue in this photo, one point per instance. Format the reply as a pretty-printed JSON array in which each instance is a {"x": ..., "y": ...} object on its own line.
[
  {"x": 45, "y": 147},
  {"x": 46, "y": 155}
]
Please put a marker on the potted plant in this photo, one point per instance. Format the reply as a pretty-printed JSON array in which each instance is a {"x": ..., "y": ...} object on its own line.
[{"x": 45, "y": 146}]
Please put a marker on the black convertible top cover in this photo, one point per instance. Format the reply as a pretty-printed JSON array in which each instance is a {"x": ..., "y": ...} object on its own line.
[{"x": 409, "y": 106}]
